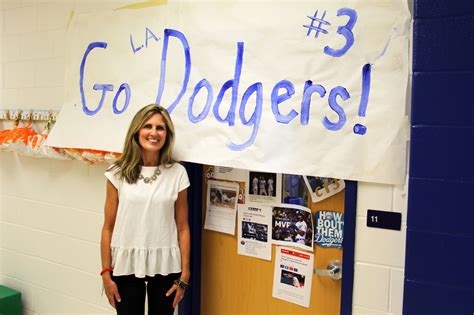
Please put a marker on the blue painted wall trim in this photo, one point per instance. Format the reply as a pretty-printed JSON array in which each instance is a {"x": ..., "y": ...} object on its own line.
[
  {"x": 445, "y": 89},
  {"x": 457, "y": 194},
  {"x": 443, "y": 44},
  {"x": 437, "y": 299},
  {"x": 440, "y": 259},
  {"x": 440, "y": 152},
  {"x": 439, "y": 273},
  {"x": 442, "y": 8}
]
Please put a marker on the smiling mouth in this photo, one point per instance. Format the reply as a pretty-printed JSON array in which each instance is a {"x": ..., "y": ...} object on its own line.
[{"x": 153, "y": 142}]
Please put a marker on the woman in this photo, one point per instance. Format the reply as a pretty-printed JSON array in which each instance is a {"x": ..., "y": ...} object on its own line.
[{"x": 145, "y": 244}]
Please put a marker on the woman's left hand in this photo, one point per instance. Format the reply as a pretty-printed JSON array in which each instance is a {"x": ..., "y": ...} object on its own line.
[{"x": 178, "y": 296}]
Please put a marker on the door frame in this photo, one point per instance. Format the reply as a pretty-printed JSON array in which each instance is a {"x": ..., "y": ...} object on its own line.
[
  {"x": 191, "y": 304},
  {"x": 348, "y": 244}
]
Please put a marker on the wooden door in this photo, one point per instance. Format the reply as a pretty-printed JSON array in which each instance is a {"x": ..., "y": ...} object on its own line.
[{"x": 241, "y": 285}]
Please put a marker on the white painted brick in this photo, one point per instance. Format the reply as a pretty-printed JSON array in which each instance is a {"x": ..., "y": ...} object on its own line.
[
  {"x": 10, "y": 4},
  {"x": 358, "y": 310},
  {"x": 49, "y": 2},
  {"x": 380, "y": 246},
  {"x": 50, "y": 73},
  {"x": 84, "y": 225},
  {"x": 64, "y": 304},
  {"x": 51, "y": 246},
  {"x": 97, "y": 184},
  {"x": 20, "y": 20},
  {"x": 36, "y": 45},
  {"x": 373, "y": 196},
  {"x": 1, "y": 19},
  {"x": 26, "y": 289},
  {"x": 96, "y": 171},
  {"x": 59, "y": 43},
  {"x": 2, "y": 238},
  {"x": 9, "y": 98},
  {"x": 19, "y": 74},
  {"x": 396, "y": 291},
  {"x": 55, "y": 277},
  {"x": 10, "y": 47},
  {"x": 28, "y": 312},
  {"x": 43, "y": 98},
  {"x": 27, "y": 176},
  {"x": 27, "y": 3},
  {"x": 1, "y": 182},
  {"x": 371, "y": 286},
  {"x": 7, "y": 213},
  {"x": 93, "y": 6},
  {"x": 39, "y": 300},
  {"x": 54, "y": 16},
  {"x": 81, "y": 7},
  {"x": 400, "y": 199},
  {"x": 83, "y": 192}
]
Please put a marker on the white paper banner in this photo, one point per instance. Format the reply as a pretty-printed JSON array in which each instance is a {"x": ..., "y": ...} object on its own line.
[{"x": 314, "y": 87}]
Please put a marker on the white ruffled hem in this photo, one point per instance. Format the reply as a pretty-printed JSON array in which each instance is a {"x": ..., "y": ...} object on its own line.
[{"x": 145, "y": 261}]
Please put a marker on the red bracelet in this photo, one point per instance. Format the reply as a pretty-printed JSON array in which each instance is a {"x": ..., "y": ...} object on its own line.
[{"x": 105, "y": 270}]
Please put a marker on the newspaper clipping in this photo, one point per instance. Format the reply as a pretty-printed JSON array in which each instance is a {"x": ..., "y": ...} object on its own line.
[
  {"x": 254, "y": 222},
  {"x": 221, "y": 206},
  {"x": 293, "y": 275}
]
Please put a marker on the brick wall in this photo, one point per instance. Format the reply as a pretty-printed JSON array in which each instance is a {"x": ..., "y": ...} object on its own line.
[{"x": 440, "y": 237}]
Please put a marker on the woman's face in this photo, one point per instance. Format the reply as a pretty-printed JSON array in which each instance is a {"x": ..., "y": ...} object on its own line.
[{"x": 152, "y": 134}]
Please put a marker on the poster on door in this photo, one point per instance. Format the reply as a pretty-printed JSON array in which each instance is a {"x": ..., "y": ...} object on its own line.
[
  {"x": 292, "y": 225},
  {"x": 328, "y": 229}
]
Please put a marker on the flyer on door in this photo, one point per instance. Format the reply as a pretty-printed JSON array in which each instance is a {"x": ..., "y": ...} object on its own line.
[
  {"x": 293, "y": 276},
  {"x": 221, "y": 206},
  {"x": 254, "y": 227},
  {"x": 230, "y": 174}
]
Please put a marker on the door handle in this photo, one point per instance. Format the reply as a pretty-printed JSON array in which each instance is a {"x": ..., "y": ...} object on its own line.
[{"x": 333, "y": 270}]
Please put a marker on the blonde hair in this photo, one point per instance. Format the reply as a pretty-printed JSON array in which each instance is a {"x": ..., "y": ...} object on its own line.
[{"x": 130, "y": 163}]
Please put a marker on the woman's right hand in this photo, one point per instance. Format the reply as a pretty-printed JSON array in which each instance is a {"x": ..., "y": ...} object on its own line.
[{"x": 111, "y": 291}]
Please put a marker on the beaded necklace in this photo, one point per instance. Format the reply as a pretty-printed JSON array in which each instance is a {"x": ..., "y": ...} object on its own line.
[{"x": 152, "y": 178}]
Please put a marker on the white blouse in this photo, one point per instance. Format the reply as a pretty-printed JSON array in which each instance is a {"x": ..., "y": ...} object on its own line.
[{"x": 145, "y": 237}]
